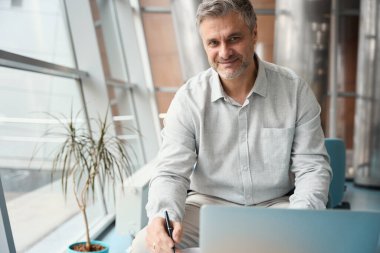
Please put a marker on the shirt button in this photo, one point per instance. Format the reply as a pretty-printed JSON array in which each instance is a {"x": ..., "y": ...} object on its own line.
[{"x": 245, "y": 168}]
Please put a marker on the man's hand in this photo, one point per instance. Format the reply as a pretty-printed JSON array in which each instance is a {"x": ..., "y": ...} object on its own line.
[{"x": 157, "y": 238}]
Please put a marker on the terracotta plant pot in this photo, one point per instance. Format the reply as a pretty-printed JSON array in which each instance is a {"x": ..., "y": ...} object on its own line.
[{"x": 105, "y": 250}]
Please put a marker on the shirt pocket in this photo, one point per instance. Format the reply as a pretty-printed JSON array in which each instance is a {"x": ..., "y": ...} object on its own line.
[{"x": 276, "y": 146}]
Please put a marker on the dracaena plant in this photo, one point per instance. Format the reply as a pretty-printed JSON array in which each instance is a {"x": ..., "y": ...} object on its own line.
[{"x": 87, "y": 158}]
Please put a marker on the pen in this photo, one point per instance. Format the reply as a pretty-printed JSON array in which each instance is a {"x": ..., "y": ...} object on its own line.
[{"x": 169, "y": 227}]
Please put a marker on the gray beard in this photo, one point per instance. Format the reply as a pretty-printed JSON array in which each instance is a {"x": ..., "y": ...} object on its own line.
[{"x": 233, "y": 75}]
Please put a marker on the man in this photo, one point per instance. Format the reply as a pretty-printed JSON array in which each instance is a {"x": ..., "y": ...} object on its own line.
[{"x": 244, "y": 132}]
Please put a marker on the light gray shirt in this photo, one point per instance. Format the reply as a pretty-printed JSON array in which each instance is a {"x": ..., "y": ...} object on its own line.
[{"x": 246, "y": 153}]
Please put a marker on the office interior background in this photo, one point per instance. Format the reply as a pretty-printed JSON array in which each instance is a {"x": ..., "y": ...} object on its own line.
[{"x": 64, "y": 56}]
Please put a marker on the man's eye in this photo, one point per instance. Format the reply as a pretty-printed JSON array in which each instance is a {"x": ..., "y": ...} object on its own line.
[
  {"x": 233, "y": 39},
  {"x": 213, "y": 43}
]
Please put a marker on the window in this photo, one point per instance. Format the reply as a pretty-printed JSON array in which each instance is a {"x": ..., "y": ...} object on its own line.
[
  {"x": 35, "y": 28},
  {"x": 56, "y": 61}
]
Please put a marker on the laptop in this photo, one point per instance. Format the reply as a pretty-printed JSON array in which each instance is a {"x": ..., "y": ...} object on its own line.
[{"x": 227, "y": 229}]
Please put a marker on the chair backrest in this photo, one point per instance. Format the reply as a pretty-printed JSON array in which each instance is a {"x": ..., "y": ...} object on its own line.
[{"x": 337, "y": 152}]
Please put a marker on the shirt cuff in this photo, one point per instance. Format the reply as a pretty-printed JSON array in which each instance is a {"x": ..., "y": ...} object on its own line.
[
  {"x": 172, "y": 215},
  {"x": 299, "y": 204}
]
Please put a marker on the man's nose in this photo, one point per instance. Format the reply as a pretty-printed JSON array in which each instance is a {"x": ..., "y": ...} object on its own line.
[{"x": 224, "y": 51}]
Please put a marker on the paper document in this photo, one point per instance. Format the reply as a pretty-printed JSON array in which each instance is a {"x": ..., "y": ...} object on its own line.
[{"x": 191, "y": 250}]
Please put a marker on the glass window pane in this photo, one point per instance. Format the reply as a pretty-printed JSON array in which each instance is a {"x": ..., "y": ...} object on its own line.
[
  {"x": 122, "y": 100},
  {"x": 264, "y": 46},
  {"x": 263, "y": 4},
  {"x": 155, "y": 3},
  {"x": 163, "y": 55},
  {"x": 25, "y": 100},
  {"x": 35, "y": 28},
  {"x": 36, "y": 207},
  {"x": 126, "y": 125}
]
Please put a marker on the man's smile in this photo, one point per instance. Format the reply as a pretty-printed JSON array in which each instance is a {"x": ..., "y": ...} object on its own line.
[{"x": 228, "y": 62}]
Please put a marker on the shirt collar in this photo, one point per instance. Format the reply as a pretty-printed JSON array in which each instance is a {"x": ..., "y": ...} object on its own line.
[
  {"x": 260, "y": 86},
  {"x": 216, "y": 87}
]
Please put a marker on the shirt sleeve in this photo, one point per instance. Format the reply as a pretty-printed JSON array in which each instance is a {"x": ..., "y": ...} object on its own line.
[
  {"x": 174, "y": 163},
  {"x": 309, "y": 159}
]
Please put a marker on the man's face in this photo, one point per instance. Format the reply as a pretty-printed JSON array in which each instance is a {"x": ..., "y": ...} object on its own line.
[{"x": 229, "y": 44}]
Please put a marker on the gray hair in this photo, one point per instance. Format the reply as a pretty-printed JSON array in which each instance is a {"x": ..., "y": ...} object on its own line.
[{"x": 218, "y": 8}]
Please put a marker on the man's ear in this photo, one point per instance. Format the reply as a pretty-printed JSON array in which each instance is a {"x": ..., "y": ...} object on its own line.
[{"x": 254, "y": 34}]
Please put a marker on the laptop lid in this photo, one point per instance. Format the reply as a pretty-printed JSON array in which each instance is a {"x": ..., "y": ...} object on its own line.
[{"x": 226, "y": 229}]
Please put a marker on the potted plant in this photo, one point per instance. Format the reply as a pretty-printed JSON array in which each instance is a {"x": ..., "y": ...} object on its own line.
[{"x": 87, "y": 158}]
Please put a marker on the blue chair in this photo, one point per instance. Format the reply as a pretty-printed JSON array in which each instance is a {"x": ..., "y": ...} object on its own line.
[{"x": 337, "y": 152}]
